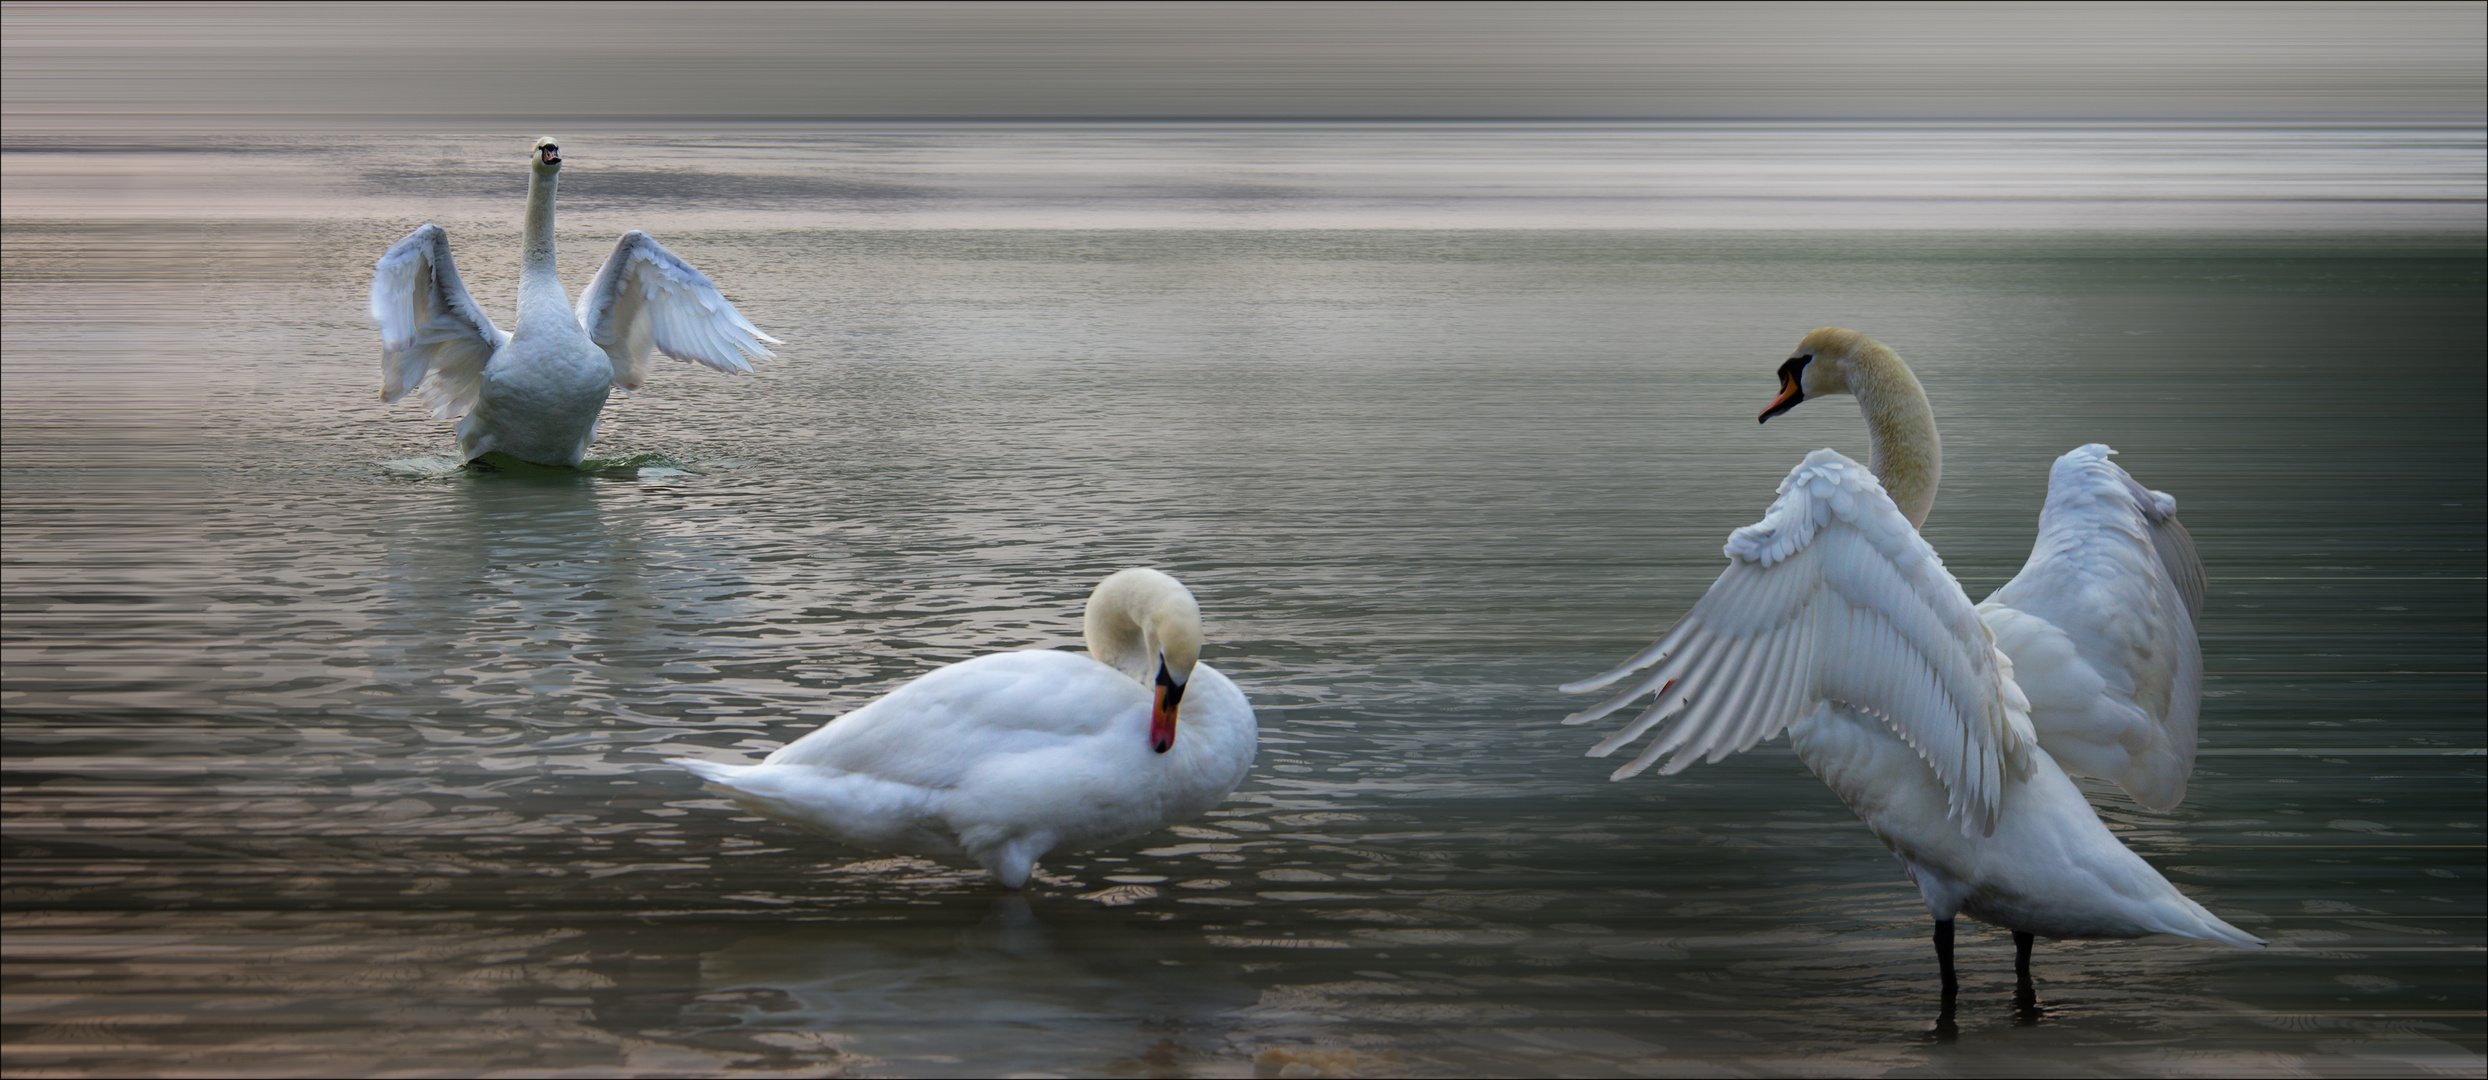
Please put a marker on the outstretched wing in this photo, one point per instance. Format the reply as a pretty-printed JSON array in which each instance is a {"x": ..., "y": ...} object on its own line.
[
  {"x": 1832, "y": 596},
  {"x": 2100, "y": 624},
  {"x": 645, "y": 297},
  {"x": 432, "y": 336}
]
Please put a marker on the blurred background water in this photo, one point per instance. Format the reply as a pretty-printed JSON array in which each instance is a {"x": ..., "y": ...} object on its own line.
[{"x": 322, "y": 756}]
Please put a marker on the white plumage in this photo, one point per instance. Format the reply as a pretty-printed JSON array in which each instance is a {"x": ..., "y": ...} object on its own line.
[
  {"x": 1949, "y": 729},
  {"x": 1001, "y": 759},
  {"x": 2101, "y": 625},
  {"x": 432, "y": 335},
  {"x": 644, "y": 297},
  {"x": 535, "y": 393},
  {"x": 1830, "y": 597}
]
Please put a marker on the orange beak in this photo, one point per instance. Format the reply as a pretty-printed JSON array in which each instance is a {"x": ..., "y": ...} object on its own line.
[
  {"x": 1169, "y": 695},
  {"x": 1790, "y": 395},
  {"x": 1162, "y": 720}
]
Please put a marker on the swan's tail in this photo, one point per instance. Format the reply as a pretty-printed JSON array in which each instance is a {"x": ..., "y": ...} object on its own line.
[
  {"x": 2186, "y": 918},
  {"x": 2138, "y": 892},
  {"x": 715, "y": 772}
]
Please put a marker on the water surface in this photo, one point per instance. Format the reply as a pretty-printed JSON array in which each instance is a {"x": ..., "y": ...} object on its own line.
[{"x": 324, "y": 757}]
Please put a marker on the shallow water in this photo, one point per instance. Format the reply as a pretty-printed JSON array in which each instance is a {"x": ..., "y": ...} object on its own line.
[{"x": 325, "y": 755}]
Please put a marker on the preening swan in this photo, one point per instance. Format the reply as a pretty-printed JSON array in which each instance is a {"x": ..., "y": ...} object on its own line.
[
  {"x": 534, "y": 394},
  {"x": 1008, "y": 756},
  {"x": 1950, "y": 729}
]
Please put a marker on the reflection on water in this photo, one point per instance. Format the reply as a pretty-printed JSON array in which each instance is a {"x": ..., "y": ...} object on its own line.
[
  {"x": 1008, "y": 992},
  {"x": 323, "y": 754}
]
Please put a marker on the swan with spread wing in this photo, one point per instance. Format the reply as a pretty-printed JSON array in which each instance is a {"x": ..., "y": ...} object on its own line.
[
  {"x": 1951, "y": 729},
  {"x": 534, "y": 393}
]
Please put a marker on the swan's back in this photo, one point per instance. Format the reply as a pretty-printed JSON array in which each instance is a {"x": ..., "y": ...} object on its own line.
[{"x": 930, "y": 731}]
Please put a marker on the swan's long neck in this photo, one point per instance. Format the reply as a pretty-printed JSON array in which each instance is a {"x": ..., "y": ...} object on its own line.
[
  {"x": 540, "y": 298},
  {"x": 1905, "y": 453}
]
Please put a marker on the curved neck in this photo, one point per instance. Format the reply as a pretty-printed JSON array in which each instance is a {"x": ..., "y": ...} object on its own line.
[
  {"x": 1906, "y": 455},
  {"x": 1118, "y": 644},
  {"x": 539, "y": 283},
  {"x": 1138, "y": 618}
]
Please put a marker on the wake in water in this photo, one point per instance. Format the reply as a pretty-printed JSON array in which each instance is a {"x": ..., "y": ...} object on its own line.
[{"x": 626, "y": 467}]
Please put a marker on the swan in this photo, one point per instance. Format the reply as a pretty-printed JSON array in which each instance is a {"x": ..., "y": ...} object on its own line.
[
  {"x": 1006, "y": 757},
  {"x": 534, "y": 394},
  {"x": 1951, "y": 730}
]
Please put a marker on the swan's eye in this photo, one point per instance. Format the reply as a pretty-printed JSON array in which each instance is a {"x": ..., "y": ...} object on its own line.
[
  {"x": 1166, "y": 681},
  {"x": 1789, "y": 371}
]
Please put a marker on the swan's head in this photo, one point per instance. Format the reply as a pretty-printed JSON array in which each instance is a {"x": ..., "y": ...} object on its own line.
[
  {"x": 548, "y": 155},
  {"x": 1819, "y": 368},
  {"x": 1146, "y": 625}
]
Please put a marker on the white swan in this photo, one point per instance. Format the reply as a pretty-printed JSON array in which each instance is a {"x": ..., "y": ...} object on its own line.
[
  {"x": 534, "y": 394},
  {"x": 1006, "y": 757},
  {"x": 1949, "y": 729}
]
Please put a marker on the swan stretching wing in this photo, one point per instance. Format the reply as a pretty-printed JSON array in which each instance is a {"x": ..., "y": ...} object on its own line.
[
  {"x": 1941, "y": 725},
  {"x": 645, "y": 297},
  {"x": 2101, "y": 625},
  {"x": 535, "y": 394},
  {"x": 432, "y": 336},
  {"x": 1832, "y": 596}
]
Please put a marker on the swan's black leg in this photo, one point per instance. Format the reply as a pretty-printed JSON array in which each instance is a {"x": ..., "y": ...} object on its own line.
[
  {"x": 1945, "y": 1030},
  {"x": 1943, "y": 957},
  {"x": 2026, "y": 1010}
]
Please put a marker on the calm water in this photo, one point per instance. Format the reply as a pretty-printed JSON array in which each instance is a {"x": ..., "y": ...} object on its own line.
[{"x": 321, "y": 756}]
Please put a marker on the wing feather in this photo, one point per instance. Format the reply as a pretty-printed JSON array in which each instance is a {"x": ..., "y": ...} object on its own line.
[
  {"x": 644, "y": 299},
  {"x": 1640, "y": 725},
  {"x": 433, "y": 337},
  {"x": 2175, "y": 546},
  {"x": 1726, "y": 671},
  {"x": 2101, "y": 628},
  {"x": 1790, "y": 660},
  {"x": 1832, "y": 596},
  {"x": 1738, "y": 709}
]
